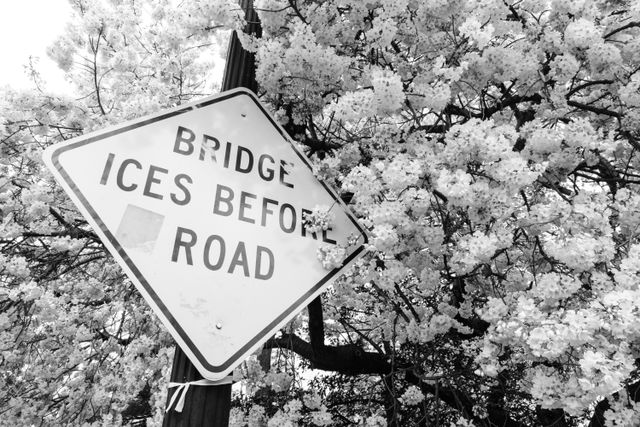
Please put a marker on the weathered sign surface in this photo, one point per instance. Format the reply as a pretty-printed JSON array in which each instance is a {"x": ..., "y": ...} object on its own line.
[{"x": 202, "y": 206}]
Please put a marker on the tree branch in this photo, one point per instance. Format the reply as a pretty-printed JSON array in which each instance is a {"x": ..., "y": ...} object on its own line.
[
  {"x": 587, "y": 84},
  {"x": 316, "y": 325},
  {"x": 591, "y": 108},
  {"x": 348, "y": 359},
  {"x": 624, "y": 27},
  {"x": 507, "y": 102}
]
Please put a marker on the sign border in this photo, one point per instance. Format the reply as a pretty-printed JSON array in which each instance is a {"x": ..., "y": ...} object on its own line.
[{"x": 144, "y": 121}]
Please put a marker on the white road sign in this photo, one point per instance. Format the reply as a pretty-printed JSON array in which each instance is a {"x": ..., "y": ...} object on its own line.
[{"x": 202, "y": 206}]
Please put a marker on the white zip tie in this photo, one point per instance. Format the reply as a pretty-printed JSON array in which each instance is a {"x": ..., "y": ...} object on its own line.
[{"x": 182, "y": 389}]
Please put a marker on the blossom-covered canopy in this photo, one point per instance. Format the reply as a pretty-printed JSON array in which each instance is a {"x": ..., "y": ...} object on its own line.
[{"x": 490, "y": 148}]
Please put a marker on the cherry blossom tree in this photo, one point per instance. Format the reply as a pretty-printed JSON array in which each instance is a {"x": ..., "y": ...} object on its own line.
[{"x": 491, "y": 148}]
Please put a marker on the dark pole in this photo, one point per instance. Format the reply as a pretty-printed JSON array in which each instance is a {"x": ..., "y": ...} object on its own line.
[
  {"x": 210, "y": 405},
  {"x": 240, "y": 69}
]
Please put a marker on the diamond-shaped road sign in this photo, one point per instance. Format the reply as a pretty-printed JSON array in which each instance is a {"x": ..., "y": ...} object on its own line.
[{"x": 202, "y": 206}]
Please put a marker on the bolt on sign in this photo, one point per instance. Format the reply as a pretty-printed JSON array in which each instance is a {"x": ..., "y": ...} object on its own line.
[{"x": 203, "y": 206}]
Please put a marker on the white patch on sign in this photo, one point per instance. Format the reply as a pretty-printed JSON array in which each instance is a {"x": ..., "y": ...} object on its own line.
[{"x": 139, "y": 229}]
